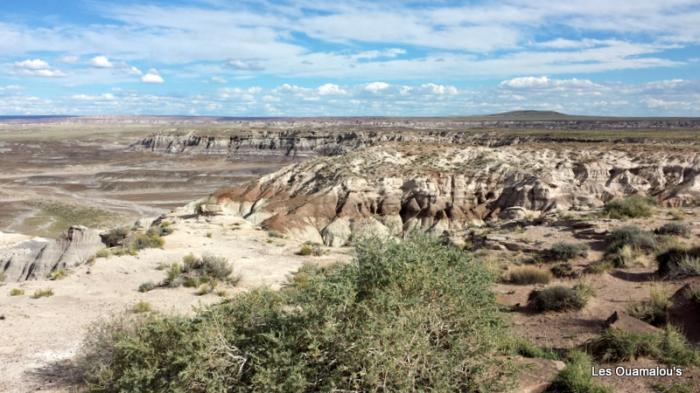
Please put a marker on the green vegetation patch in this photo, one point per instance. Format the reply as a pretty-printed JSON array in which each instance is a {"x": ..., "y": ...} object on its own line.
[
  {"x": 405, "y": 316},
  {"x": 631, "y": 207},
  {"x": 668, "y": 346},
  {"x": 576, "y": 377},
  {"x": 679, "y": 262},
  {"x": 559, "y": 298},
  {"x": 527, "y": 275},
  {"x": 564, "y": 251}
]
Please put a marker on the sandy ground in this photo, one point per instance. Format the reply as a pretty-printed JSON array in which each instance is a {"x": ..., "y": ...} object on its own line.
[{"x": 38, "y": 335}]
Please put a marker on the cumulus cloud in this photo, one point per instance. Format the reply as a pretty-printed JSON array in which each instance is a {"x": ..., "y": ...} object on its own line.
[
  {"x": 37, "y": 67},
  {"x": 152, "y": 76},
  {"x": 218, "y": 79},
  {"x": 86, "y": 97},
  {"x": 101, "y": 62},
  {"x": 330, "y": 89},
  {"x": 544, "y": 82},
  {"x": 376, "y": 87}
]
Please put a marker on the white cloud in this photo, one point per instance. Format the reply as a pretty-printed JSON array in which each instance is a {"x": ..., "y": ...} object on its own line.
[
  {"x": 37, "y": 67},
  {"x": 133, "y": 70},
  {"x": 32, "y": 64},
  {"x": 218, "y": 79},
  {"x": 101, "y": 62},
  {"x": 376, "y": 87},
  {"x": 330, "y": 89},
  {"x": 440, "y": 89},
  {"x": 544, "y": 82},
  {"x": 86, "y": 97},
  {"x": 152, "y": 76}
]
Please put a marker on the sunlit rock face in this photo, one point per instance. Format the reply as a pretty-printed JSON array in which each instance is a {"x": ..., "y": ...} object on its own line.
[{"x": 395, "y": 188}]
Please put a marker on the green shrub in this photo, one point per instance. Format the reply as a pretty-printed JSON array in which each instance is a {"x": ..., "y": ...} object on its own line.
[
  {"x": 141, "y": 307},
  {"x": 405, "y": 316},
  {"x": 141, "y": 240},
  {"x": 654, "y": 310},
  {"x": 693, "y": 294},
  {"x": 631, "y": 207},
  {"x": 599, "y": 267},
  {"x": 529, "y": 275},
  {"x": 668, "y": 346},
  {"x": 57, "y": 274},
  {"x": 115, "y": 237},
  {"x": 674, "y": 229},
  {"x": 164, "y": 228},
  {"x": 310, "y": 249},
  {"x": 16, "y": 292},
  {"x": 194, "y": 272},
  {"x": 564, "y": 251},
  {"x": 559, "y": 298},
  {"x": 631, "y": 236},
  {"x": 624, "y": 257},
  {"x": 679, "y": 263},
  {"x": 563, "y": 270},
  {"x": 576, "y": 377},
  {"x": 39, "y": 293},
  {"x": 147, "y": 286},
  {"x": 103, "y": 253}
]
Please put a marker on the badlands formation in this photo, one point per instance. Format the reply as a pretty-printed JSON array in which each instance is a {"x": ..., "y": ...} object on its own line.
[
  {"x": 506, "y": 196},
  {"x": 395, "y": 188}
]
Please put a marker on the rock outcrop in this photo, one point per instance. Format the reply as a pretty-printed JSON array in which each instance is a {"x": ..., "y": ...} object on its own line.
[
  {"x": 395, "y": 188},
  {"x": 36, "y": 258},
  {"x": 327, "y": 142}
]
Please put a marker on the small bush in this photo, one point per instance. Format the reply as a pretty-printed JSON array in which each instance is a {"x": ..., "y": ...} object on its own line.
[
  {"x": 631, "y": 207},
  {"x": 677, "y": 214},
  {"x": 115, "y": 237},
  {"x": 310, "y": 249},
  {"x": 679, "y": 263},
  {"x": 141, "y": 307},
  {"x": 164, "y": 228},
  {"x": 668, "y": 346},
  {"x": 563, "y": 270},
  {"x": 16, "y": 292},
  {"x": 39, "y": 293},
  {"x": 141, "y": 240},
  {"x": 529, "y": 275},
  {"x": 576, "y": 377},
  {"x": 693, "y": 294},
  {"x": 103, "y": 253},
  {"x": 147, "y": 286},
  {"x": 598, "y": 267},
  {"x": 559, "y": 298},
  {"x": 631, "y": 236},
  {"x": 195, "y": 272},
  {"x": 654, "y": 310},
  {"x": 57, "y": 274},
  {"x": 674, "y": 229},
  {"x": 564, "y": 251},
  {"x": 206, "y": 289}
]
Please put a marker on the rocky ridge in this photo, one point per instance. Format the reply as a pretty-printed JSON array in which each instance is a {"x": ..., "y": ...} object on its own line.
[
  {"x": 395, "y": 188},
  {"x": 300, "y": 143}
]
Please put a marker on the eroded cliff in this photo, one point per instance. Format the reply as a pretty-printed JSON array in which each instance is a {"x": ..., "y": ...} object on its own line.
[{"x": 394, "y": 188}]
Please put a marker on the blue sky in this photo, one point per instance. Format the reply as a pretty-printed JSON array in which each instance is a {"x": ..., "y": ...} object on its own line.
[{"x": 323, "y": 57}]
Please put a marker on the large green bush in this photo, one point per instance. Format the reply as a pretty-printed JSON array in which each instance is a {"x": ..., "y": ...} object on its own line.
[
  {"x": 632, "y": 236},
  {"x": 679, "y": 262},
  {"x": 405, "y": 316},
  {"x": 631, "y": 207}
]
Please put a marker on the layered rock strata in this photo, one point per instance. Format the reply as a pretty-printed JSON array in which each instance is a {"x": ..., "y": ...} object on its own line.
[
  {"x": 36, "y": 258},
  {"x": 396, "y": 188}
]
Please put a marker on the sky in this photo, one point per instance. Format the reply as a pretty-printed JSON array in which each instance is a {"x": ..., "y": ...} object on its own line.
[{"x": 349, "y": 58}]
